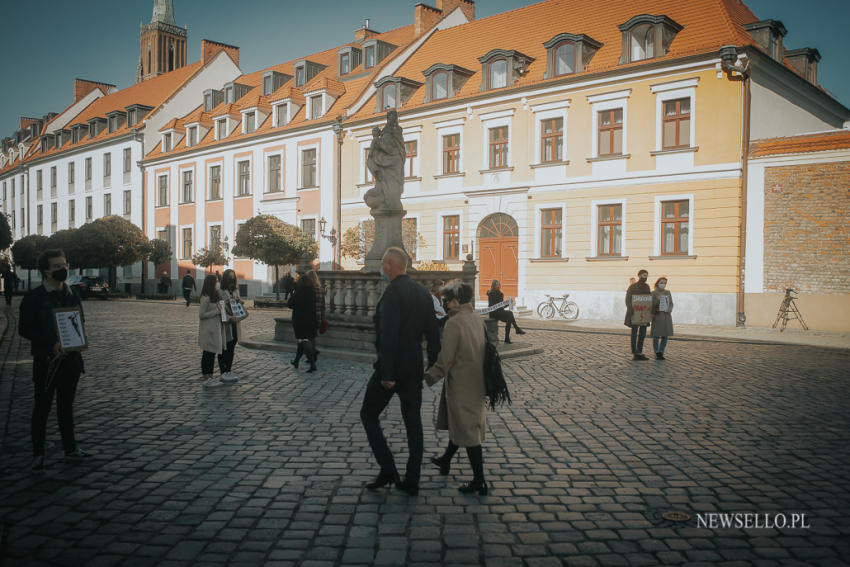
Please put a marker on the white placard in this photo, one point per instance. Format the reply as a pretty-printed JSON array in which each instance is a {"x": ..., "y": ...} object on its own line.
[
  {"x": 69, "y": 328},
  {"x": 664, "y": 303},
  {"x": 237, "y": 309}
]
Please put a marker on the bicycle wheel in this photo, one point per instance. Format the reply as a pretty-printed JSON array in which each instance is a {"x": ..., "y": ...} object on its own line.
[
  {"x": 540, "y": 307},
  {"x": 570, "y": 310},
  {"x": 546, "y": 310}
]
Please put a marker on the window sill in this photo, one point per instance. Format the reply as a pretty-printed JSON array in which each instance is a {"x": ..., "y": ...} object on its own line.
[
  {"x": 495, "y": 170},
  {"x": 608, "y": 158},
  {"x": 406, "y": 179},
  {"x": 214, "y": 200},
  {"x": 274, "y": 196},
  {"x": 606, "y": 258},
  {"x": 549, "y": 164},
  {"x": 447, "y": 175},
  {"x": 673, "y": 257},
  {"x": 310, "y": 187},
  {"x": 674, "y": 151},
  {"x": 243, "y": 196},
  {"x": 548, "y": 260},
  {"x": 186, "y": 203},
  {"x": 160, "y": 206}
]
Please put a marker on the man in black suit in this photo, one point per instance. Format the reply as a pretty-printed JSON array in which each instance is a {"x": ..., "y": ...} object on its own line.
[{"x": 404, "y": 314}]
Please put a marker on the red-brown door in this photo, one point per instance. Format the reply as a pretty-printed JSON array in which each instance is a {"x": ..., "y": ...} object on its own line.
[{"x": 498, "y": 245}]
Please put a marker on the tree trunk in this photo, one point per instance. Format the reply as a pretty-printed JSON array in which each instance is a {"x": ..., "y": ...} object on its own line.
[
  {"x": 276, "y": 282},
  {"x": 144, "y": 274},
  {"x": 29, "y": 280}
]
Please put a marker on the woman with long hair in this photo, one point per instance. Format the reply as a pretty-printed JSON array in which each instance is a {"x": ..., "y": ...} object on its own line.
[
  {"x": 494, "y": 296},
  {"x": 662, "y": 320},
  {"x": 462, "y": 403},
  {"x": 303, "y": 304},
  {"x": 210, "y": 329},
  {"x": 229, "y": 292}
]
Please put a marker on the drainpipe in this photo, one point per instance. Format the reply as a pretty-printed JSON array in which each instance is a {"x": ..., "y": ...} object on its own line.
[
  {"x": 736, "y": 72},
  {"x": 137, "y": 137},
  {"x": 338, "y": 243}
]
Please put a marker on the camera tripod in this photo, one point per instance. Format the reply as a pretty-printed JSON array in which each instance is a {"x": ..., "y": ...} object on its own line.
[{"x": 788, "y": 311}]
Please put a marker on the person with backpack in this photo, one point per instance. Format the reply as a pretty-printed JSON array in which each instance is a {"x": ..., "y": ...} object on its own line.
[{"x": 462, "y": 408}]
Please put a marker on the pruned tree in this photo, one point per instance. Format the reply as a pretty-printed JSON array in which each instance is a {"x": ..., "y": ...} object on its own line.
[
  {"x": 5, "y": 232},
  {"x": 68, "y": 241},
  {"x": 111, "y": 241},
  {"x": 273, "y": 242},
  {"x": 25, "y": 253},
  {"x": 215, "y": 255},
  {"x": 158, "y": 251}
]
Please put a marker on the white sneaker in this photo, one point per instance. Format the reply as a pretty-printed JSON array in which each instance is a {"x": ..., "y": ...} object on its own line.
[
  {"x": 228, "y": 377},
  {"x": 213, "y": 382}
]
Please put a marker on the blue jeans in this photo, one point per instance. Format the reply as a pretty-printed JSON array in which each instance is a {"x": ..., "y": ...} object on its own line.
[{"x": 656, "y": 341}]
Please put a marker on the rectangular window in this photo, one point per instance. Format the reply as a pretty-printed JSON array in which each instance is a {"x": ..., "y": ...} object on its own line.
[
  {"x": 274, "y": 174},
  {"x": 451, "y": 237},
  {"x": 38, "y": 184},
  {"x": 88, "y": 173},
  {"x": 267, "y": 86},
  {"x": 128, "y": 203},
  {"x": 611, "y": 132},
  {"x": 309, "y": 227},
  {"x": 162, "y": 234},
  {"x": 367, "y": 173},
  {"x": 370, "y": 57},
  {"x": 193, "y": 136},
  {"x": 677, "y": 123},
  {"x": 550, "y": 233},
  {"x": 39, "y": 218},
  {"x": 215, "y": 183},
  {"x": 281, "y": 114},
  {"x": 308, "y": 168},
  {"x": 166, "y": 142},
  {"x": 187, "y": 244},
  {"x": 107, "y": 205},
  {"x": 498, "y": 147},
  {"x": 53, "y": 179},
  {"x": 451, "y": 153},
  {"x": 344, "y": 64},
  {"x": 411, "y": 150},
  {"x": 107, "y": 165},
  {"x": 54, "y": 216},
  {"x": 23, "y": 220},
  {"x": 215, "y": 235},
  {"x": 675, "y": 226},
  {"x": 409, "y": 236},
  {"x": 89, "y": 209},
  {"x": 244, "y": 178},
  {"x": 70, "y": 177},
  {"x": 551, "y": 140},
  {"x": 300, "y": 75},
  {"x": 72, "y": 213},
  {"x": 250, "y": 122},
  {"x": 162, "y": 193},
  {"x": 610, "y": 230},
  {"x": 221, "y": 129},
  {"x": 315, "y": 107},
  {"x": 127, "y": 162},
  {"x": 187, "y": 196}
]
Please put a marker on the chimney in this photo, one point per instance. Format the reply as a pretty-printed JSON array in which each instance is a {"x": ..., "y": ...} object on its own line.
[
  {"x": 210, "y": 49},
  {"x": 424, "y": 18},
  {"x": 82, "y": 87},
  {"x": 448, "y": 6},
  {"x": 26, "y": 121},
  {"x": 364, "y": 33}
]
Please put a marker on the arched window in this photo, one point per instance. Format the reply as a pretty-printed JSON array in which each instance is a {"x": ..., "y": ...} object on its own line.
[
  {"x": 641, "y": 42},
  {"x": 498, "y": 74},
  {"x": 441, "y": 85},
  {"x": 565, "y": 58},
  {"x": 149, "y": 59},
  {"x": 498, "y": 225},
  {"x": 171, "y": 56},
  {"x": 389, "y": 96}
]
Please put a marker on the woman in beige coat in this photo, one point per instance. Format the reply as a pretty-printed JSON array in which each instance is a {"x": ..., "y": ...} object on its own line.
[
  {"x": 462, "y": 403},
  {"x": 210, "y": 330}
]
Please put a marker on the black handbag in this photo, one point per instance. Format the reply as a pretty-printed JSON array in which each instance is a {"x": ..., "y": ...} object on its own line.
[{"x": 494, "y": 379}]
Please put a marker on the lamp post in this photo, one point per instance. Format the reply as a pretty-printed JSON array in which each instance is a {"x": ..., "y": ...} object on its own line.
[{"x": 331, "y": 237}]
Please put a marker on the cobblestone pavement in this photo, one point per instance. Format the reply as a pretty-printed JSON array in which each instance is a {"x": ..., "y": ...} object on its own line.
[{"x": 270, "y": 471}]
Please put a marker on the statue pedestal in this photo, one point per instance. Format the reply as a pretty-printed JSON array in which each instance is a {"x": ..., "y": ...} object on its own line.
[{"x": 387, "y": 233}]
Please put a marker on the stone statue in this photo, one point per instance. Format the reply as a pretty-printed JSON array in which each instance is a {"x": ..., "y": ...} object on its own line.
[{"x": 386, "y": 162}]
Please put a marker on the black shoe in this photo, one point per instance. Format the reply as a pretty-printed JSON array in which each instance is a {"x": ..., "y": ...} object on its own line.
[
  {"x": 444, "y": 464},
  {"x": 639, "y": 357},
  {"x": 316, "y": 354},
  {"x": 520, "y": 331},
  {"x": 294, "y": 363},
  {"x": 412, "y": 489},
  {"x": 312, "y": 368},
  {"x": 507, "y": 340},
  {"x": 383, "y": 479},
  {"x": 77, "y": 455},
  {"x": 659, "y": 356},
  {"x": 478, "y": 486}
]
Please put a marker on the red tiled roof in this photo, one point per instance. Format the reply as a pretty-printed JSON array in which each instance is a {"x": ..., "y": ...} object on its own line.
[{"x": 804, "y": 143}]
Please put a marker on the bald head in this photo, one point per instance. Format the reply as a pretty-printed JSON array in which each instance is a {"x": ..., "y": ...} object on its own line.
[{"x": 394, "y": 262}]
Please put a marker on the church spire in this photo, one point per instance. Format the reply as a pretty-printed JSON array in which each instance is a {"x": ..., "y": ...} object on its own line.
[
  {"x": 163, "y": 12},
  {"x": 162, "y": 43}
]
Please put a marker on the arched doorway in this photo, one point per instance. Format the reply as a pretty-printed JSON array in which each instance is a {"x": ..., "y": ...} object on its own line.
[{"x": 498, "y": 244}]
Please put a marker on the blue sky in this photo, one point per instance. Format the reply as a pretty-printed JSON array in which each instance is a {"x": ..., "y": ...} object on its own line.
[{"x": 47, "y": 43}]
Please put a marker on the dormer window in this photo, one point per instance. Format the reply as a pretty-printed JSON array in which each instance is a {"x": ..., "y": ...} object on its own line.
[
  {"x": 344, "y": 63},
  {"x": 116, "y": 120},
  {"x": 192, "y": 136},
  {"x": 375, "y": 51},
  {"x": 805, "y": 61},
  {"x": 135, "y": 112},
  {"x": 444, "y": 81},
  {"x": 349, "y": 59},
  {"x": 47, "y": 142},
  {"x": 272, "y": 80},
  {"x": 77, "y": 132},
  {"x": 502, "y": 68},
  {"x": 305, "y": 71},
  {"x": 166, "y": 142},
  {"x": 768, "y": 34},
  {"x": 250, "y": 122},
  {"x": 370, "y": 57},
  {"x": 221, "y": 129},
  {"x": 96, "y": 126},
  {"x": 646, "y": 37},
  {"x": 393, "y": 92},
  {"x": 568, "y": 53},
  {"x": 212, "y": 98},
  {"x": 234, "y": 91},
  {"x": 300, "y": 76},
  {"x": 315, "y": 107}
]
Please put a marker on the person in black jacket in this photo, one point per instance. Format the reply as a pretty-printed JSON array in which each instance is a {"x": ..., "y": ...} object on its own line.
[
  {"x": 404, "y": 314},
  {"x": 188, "y": 286},
  {"x": 36, "y": 325},
  {"x": 640, "y": 287},
  {"x": 304, "y": 323},
  {"x": 494, "y": 296}
]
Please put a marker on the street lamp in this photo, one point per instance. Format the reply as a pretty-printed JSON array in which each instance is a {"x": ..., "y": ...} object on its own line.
[{"x": 331, "y": 237}]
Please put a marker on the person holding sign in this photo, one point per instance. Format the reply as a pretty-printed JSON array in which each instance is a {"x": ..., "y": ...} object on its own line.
[
  {"x": 494, "y": 296},
  {"x": 211, "y": 335},
  {"x": 52, "y": 320},
  {"x": 638, "y": 313},
  {"x": 662, "y": 321},
  {"x": 236, "y": 311}
]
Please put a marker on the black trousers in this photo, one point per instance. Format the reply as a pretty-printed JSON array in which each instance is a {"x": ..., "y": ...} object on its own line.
[
  {"x": 8, "y": 293},
  {"x": 374, "y": 401},
  {"x": 508, "y": 318},
  {"x": 64, "y": 385},
  {"x": 207, "y": 362},
  {"x": 638, "y": 335},
  {"x": 187, "y": 294},
  {"x": 225, "y": 359}
]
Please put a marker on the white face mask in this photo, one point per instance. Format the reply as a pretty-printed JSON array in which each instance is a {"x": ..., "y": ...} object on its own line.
[
  {"x": 217, "y": 285},
  {"x": 662, "y": 285}
]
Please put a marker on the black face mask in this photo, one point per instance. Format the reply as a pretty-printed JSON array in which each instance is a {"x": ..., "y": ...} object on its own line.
[{"x": 59, "y": 275}]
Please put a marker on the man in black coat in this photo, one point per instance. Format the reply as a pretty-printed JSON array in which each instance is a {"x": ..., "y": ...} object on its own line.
[
  {"x": 404, "y": 314},
  {"x": 640, "y": 287},
  {"x": 188, "y": 286},
  {"x": 53, "y": 369}
]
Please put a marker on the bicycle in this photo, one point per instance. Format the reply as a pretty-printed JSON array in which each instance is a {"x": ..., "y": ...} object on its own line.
[{"x": 566, "y": 309}]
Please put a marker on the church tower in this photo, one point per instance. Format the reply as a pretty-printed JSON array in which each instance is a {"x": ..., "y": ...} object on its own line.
[{"x": 162, "y": 43}]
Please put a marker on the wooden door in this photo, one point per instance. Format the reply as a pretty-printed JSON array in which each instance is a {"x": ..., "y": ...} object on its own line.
[{"x": 498, "y": 245}]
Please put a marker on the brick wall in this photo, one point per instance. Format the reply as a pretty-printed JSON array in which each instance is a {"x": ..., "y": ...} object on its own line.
[{"x": 806, "y": 234}]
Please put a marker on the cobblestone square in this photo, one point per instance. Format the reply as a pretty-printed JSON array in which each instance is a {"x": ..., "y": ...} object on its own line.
[{"x": 270, "y": 470}]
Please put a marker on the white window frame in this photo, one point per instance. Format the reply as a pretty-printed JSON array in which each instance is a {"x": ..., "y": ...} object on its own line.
[
  {"x": 315, "y": 219},
  {"x": 414, "y": 257},
  {"x": 656, "y": 231},
  {"x": 276, "y": 112},
  {"x": 672, "y": 91},
  {"x": 301, "y": 150},
  {"x": 266, "y": 156},
  {"x": 496, "y": 120},
  {"x": 594, "y": 227},
  {"x": 447, "y": 129},
  {"x": 439, "y": 233},
  {"x": 547, "y": 112},
  {"x": 413, "y": 135},
  {"x": 207, "y": 234},
  {"x": 167, "y": 190},
  {"x": 538, "y": 228},
  {"x": 189, "y": 129},
  {"x": 236, "y": 162},
  {"x": 245, "y": 114},
  {"x": 364, "y": 168},
  {"x": 609, "y": 101},
  {"x": 194, "y": 185},
  {"x": 226, "y": 127},
  {"x": 311, "y": 101},
  {"x": 207, "y": 191},
  {"x": 180, "y": 241},
  {"x": 236, "y": 226}
]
